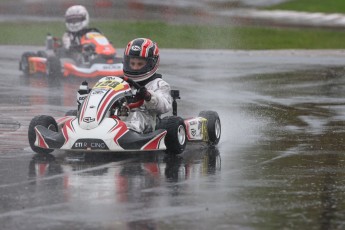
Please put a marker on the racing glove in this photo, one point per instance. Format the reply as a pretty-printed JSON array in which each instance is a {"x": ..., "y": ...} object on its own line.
[
  {"x": 124, "y": 111},
  {"x": 142, "y": 93}
]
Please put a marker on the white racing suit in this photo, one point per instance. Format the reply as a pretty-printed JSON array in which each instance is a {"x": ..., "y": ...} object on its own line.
[
  {"x": 143, "y": 119},
  {"x": 71, "y": 46},
  {"x": 68, "y": 39},
  {"x": 71, "y": 40}
]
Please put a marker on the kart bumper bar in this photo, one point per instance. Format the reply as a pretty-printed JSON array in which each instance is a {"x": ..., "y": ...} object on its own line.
[{"x": 130, "y": 141}]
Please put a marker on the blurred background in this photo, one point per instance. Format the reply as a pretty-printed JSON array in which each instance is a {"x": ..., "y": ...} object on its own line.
[
  {"x": 119, "y": 8},
  {"x": 208, "y": 24}
]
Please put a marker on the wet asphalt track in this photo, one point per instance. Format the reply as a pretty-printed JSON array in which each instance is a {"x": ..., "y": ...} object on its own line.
[{"x": 279, "y": 164}]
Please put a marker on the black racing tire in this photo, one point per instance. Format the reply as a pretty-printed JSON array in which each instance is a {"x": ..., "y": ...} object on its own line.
[
  {"x": 61, "y": 52},
  {"x": 46, "y": 121},
  {"x": 72, "y": 112},
  {"x": 175, "y": 139},
  {"x": 213, "y": 126},
  {"x": 53, "y": 67},
  {"x": 42, "y": 53},
  {"x": 24, "y": 61}
]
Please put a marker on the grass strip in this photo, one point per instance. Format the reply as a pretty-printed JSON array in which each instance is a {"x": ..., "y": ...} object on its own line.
[
  {"x": 184, "y": 36},
  {"x": 325, "y": 6}
]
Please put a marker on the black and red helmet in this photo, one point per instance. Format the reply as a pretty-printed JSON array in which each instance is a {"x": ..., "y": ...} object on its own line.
[{"x": 142, "y": 49}]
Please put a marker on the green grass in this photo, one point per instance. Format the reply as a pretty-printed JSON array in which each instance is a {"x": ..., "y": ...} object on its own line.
[
  {"x": 326, "y": 6},
  {"x": 120, "y": 33},
  {"x": 280, "y": 38},
  {"x": 184, "y": 36}
]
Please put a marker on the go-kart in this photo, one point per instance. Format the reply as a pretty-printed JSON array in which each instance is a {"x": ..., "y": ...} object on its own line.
[
  {"x": 95, "y": 57},
  {"x": 99, "y": 124}
]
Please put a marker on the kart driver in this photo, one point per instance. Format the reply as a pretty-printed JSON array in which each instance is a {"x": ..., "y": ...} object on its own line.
[
  {"x": 141, "y": 61},
  {"x": 77, "y": 22}
]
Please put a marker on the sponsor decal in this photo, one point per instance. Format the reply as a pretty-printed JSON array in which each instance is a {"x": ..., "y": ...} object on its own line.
[
  {"x": 94, "y": 144},
  {"x": 193, "y": 132},
  {"x": 111, "y": 67},
  {"x": 88, "y": 119},
  {"x": 79, "y": 145},
  {"x": 204, "y": 129},
  {"x": 193, "y": 122},
  {"x": 109, "y": 84},
  {"x": 82, "y": 98},
  {"x": 200, "y": 125},
  {"x": 110, "y": 78},
  {"x": 135, "y": 48},
  {"x": 99, "y": 91}
]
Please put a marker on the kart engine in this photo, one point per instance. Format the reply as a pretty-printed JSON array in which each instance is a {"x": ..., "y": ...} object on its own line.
[
  {"x": 88, "y": 52},
  {"x": 120, "y": 108}
]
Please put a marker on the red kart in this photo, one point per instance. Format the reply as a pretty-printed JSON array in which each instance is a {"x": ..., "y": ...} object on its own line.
[{"x": 96, "y": 58}]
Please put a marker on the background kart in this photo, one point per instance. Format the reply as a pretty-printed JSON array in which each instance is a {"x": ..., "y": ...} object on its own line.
[
  {"x": 95, "y": 57},
  {"x": 99, "y": 125}
]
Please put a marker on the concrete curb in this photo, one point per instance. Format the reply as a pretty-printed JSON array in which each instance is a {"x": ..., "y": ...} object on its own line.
[{"x": 286, "y": 18}]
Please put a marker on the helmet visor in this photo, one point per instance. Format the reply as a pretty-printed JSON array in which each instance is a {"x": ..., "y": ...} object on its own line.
[
  {"x": 75, "y": 18},
  {"x": 138, "y": 65}
]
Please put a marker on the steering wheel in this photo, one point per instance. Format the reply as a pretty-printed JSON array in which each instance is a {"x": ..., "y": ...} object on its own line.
[
  {"x": 131, "y": 82},
  {"x": 137, "y": 86}
]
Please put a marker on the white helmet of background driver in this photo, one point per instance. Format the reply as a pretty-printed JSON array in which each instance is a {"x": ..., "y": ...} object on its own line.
[{"x": 76, "y": 18}]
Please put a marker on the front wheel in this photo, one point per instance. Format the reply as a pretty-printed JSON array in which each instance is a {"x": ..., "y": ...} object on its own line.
[
  {"x": 175, "y": 139},
  {"x": 46, "y": 121},
  {"x": 24, "y": 64},
  {"x": 42, "y": 53},
  {"x": 53, "y": 67},
  {"x": 213, "y": 126}
]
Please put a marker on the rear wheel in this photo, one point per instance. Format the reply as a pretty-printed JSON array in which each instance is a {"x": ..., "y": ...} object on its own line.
[
  {"x": 24, "y": 62},
  {"x": 53, "y": 67},
  {"x": 175, "y": 139},
  {"x": 42, "y": 53},
  {"x": 46, "y": 121},
  {"x": 213, "y": 126}
]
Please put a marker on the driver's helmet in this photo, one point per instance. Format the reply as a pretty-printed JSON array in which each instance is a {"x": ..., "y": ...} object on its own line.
[
  {"x": 76, "y": 18},
  {"x": 141, "y": 59}
]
